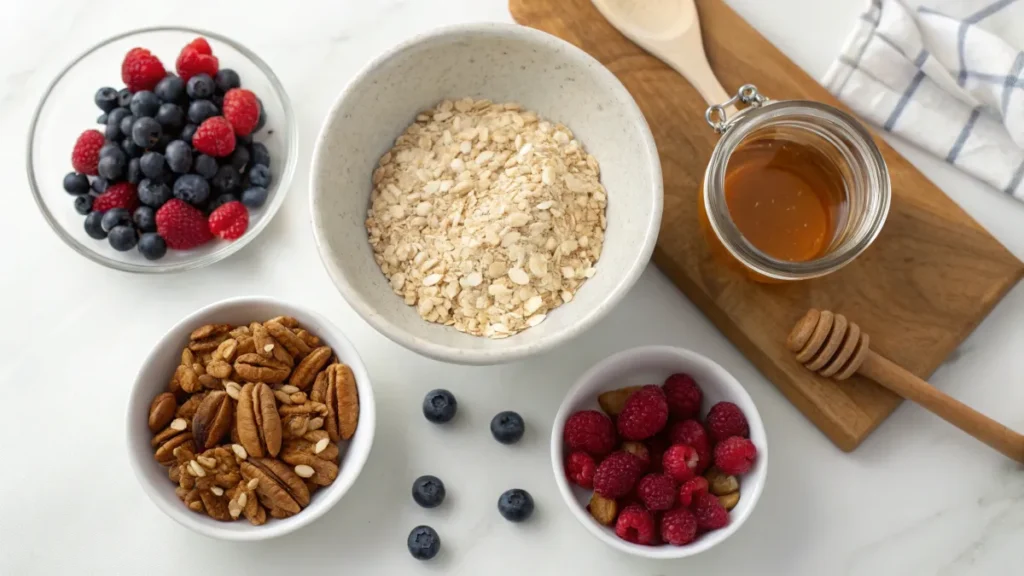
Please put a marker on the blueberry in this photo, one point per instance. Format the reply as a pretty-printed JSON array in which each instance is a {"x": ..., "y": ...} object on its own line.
[
  {"x": 254, "y": 197},
  {"x": 187, "y": 132},
  {"x": 205, "y": 166},
  {"x": 179, "y": 156},
  {"x": 123, "y": 237},
  {"x": 93, "y": 227},
  {"x": 109, "y": 148},
  {"x": 218, "y": 101},
  {"x": 428, "y": 491},
  {"x": 260, "y": 176},
  {"x": 124, "y": 97},
  {"x": 515, "y": 505},
  {"x": 152, "y": 246},
  {"x": 191, "y": 188},
  {"x": 226, "y": 179},
  {"x": 75, "y": 183},
  {"x": 113, "y": 165},
  {"x": 134, "y": 172},
  {"x": 200, "y": 110},
  {"x": 145, "y": 219},
  {"x": 131, "y": 149},
  {"x": 146, "y": 132},
  {"x": 171, "y": 117},
  {"x": 99, "y": 185},
  {"x": 200, "y": 86},
  {"x": 115, "y": 217},
  {"x": 144, "y": 104},
  {"x": 260, "y": 154},
  {"x": 154, "y": 194},
  {"x": 126, "y": 125},
  {"x": 263, "y": 116},
  {"x": 106, "y": 98},
  {"x": 101, "y": 119},
  {"x": 424, "y": 543},
  {"x": 439, "y": 406},
  {"x": 239, "y": 158},
  {"x": 507, "y": 427},
  {"x": 116, "y": 115},
  {"x": 245, "y": 141},
  {"x": 171, "y": 90},
  {"x": 153, "y": 165},
  {"x": 83, "y": 204},
  {"x": 227, "y": 79},
  {"x": 220, "y": 201},
  {"x": 111, "y": 133}
]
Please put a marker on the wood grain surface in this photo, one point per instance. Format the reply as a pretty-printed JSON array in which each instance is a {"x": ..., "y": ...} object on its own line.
[{"x": 928, "y": 280}]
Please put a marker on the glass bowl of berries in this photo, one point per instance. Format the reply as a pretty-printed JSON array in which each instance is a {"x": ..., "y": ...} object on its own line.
[{"x": 162, "y": 149}]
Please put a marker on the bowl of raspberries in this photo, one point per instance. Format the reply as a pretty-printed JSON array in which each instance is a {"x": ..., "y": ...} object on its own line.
[
  {"x": 659, "y": 452},
  {"x": 162, "y": 149}
]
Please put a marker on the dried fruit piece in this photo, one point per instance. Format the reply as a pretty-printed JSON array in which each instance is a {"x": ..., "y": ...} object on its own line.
[
  {"x": 604, "y": 510},
  {"x": 729, "y": 501},
  {"x": 720, "y": 483},
  {"x": 613, "y": 401}
]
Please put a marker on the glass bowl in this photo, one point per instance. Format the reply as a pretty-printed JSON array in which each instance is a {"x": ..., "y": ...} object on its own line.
[{"x": 67, "y": 108}]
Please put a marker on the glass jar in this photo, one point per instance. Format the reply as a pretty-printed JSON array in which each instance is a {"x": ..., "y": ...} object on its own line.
[{"x": 853, "y": 162}]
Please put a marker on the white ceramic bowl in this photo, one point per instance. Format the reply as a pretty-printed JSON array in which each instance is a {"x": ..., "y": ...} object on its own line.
[
  {"x": 504, "y": 63},
  {"x": 156, "y": 371},
  {"x": 651, "y": 365}
]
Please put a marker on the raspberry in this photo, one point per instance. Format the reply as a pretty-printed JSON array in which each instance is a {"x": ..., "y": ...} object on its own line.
[
  {"x": 710, "y": 513},
  {"x": 591, "y": 432},
  {"x": 242, "y": 110},
  {"x": 85, "y": 156},
  {"x": 617, "y": 474},
  {"x": 182, "y": 225},
  {"x": 644, "y": 414},
  {"x": 678, "y": 527},
  {"x": 725, "y": 420},
  {"x": 735, "y": 455},
  {"x": 689, "y": 490},
  {"x": 580, "y": 468},
  {"x": 120, "y": 195},
  {"x": 683, "y": 395},
  {"x": 680, "y": 461},
  {"x": 656, "y": 447},
  {"x": 199, "y": 45},
  {"x": 635, "y": 525},
  {"x": 692, "y": 433},
  {"x": 229, "y": 221},
  {"x": 214, "y": 137},
  {"x": 140, "y": 70},
  {"x": 196, "y": 58},
  {"x": 657, "y": 491},
  {"x": 640, "y": 451}
]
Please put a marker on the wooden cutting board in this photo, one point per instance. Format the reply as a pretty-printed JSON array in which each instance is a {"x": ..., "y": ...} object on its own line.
[{"x": 928, "y": 280}]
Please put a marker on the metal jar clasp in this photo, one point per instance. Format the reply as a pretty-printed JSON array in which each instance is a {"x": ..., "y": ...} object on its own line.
[{"x": 716, "y": 115}]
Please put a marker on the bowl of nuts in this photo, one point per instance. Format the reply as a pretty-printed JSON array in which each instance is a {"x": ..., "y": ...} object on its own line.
[
  {"x": 249, "y": 419},
  {"x": 485, "y": 192},
  {"x": 659, "y": 452}
]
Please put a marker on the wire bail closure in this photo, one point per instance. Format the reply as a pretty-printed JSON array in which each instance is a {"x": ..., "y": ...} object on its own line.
[{"x": 716, "y": 116}]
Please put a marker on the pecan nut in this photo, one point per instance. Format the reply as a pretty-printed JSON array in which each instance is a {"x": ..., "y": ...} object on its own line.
[
  {"x": 259, "y": 425},
  {"x": 226, "y": 350},
  {"x": 186, "y": 379},
  {"x": 315, "y": 442},
  {"x": 280, "y": 489},
  {"x": 292, "y": 343},
  {"x": 219, "y": 369},
  {"x": 268, "y": 347},
  {"x": 161, "y": 411},
  {"x": 298, "y": 419},
  {"x": 336, "y": 387},
  {"x": 167, "y": 441},
  {"x": 188, "y": 408},
  {"x": 324, "y": 471},
  {"x": 212, "y": 420},
  {"x": 286, "y": 321},
  {"x": 255, "y": 368},
  {"x": 310, "y": 340},
  {"x": 303, "y": 375},
  {"x": 208, "y": 338}
]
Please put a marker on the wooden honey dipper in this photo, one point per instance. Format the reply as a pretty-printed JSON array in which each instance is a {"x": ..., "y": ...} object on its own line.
[{"x": 834, "y": 347}]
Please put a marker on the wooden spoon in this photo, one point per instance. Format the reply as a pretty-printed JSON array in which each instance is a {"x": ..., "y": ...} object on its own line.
[
  {"x": 670, "y": 30},
  {"x": 832, "y": 346}
]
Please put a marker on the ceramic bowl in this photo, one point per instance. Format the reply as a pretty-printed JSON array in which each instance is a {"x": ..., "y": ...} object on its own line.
[
  {"x": 651, "y": 365},
  {"x": 152, "y": 379},
  {"x": 67, "y": 109},
  {"x": 503, "y": 63}
]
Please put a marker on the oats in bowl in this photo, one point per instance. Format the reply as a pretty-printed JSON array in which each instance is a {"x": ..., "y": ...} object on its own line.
[{"x": 485, "y": 217}]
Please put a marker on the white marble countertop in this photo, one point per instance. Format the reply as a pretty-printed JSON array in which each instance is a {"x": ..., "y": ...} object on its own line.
[{"x": 918, "y": 497}]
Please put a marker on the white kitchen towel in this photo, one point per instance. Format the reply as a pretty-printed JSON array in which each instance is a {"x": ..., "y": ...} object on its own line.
[{"x": 945, "y": 75}]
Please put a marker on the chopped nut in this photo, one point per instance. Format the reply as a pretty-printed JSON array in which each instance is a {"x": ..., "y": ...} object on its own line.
[
  {"x": 321, "y": 445},
  {"x": 304, "y": 471},
  {"x": 729, "y": 501},
  {"x": 217, "y": 490},
  {"x": 720, "y": 483},
  {"x": 239, "y": 451},
  {"x": 604, "y": 510},
  {"x": 178, "y": 424},
  {"x": 613, "y": 401}
]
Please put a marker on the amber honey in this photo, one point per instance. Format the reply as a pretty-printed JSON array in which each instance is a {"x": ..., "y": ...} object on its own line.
[{"x": 785, "y": 197}]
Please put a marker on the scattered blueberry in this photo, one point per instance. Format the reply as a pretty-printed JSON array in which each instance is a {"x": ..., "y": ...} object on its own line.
[
  {"x": 515, "y": 505},
  {"x": 220, "y": 201},
  {"x": 260, "y": 154},
  {"x": 101, "y": 119},
  {"x": 263, "y": 116},
  {"x": 171, "y": 90},
  {"x": 152, "y": 246},
  {"x": 439, "y": 406},
  {"x": 200, "y": 86},
  {"x": 75, "y": 183},
  {"x": 179, "y": 156},
  {"x": 226, "y": 179},
  {"x": 254, "y": 197},
  {"x": 200, "y": 110},
  {"x": 507, "y": 427},
  {"x": 239, "y": 158},
  {"x": 115, "y": 217},
  {"x": 134, "y": 173},
  {"x": 131, "y": 149},
  {"x": 99, "y": 185},
  {"x": 187, "y": 132},
  {"x": 93, "y": 227},
  {"x": 205, "y": 166},
  {"x": 111, "y": 132},
  {"x": 191, "y": 188},
  {"x": 106, "y": 98},
  {"x": 126, "y": 124},
  {"x": 124, "y": 97},
  {"x": 123, "y": 237},
  {"x": 113, "y": 165},
  {"x": 153, "y": 165},
  {"x": 144, "y": 218},
  {"x": 428, "y": 491},
  {"x": 227, "y": 79},
  {"x": 171, "y": 117},
  {"x": 424, "y": 543},
  {"x": 146, "y": 132},
  {"x": 144, "y": 104},
  {"x": 83, "y": 204},
  {"x": 260, "y": 176},
  {"x": 153, "y": 194}
]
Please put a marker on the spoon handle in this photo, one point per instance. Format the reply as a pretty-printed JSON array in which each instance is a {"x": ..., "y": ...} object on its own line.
[{"x": 687, "y": 57}]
